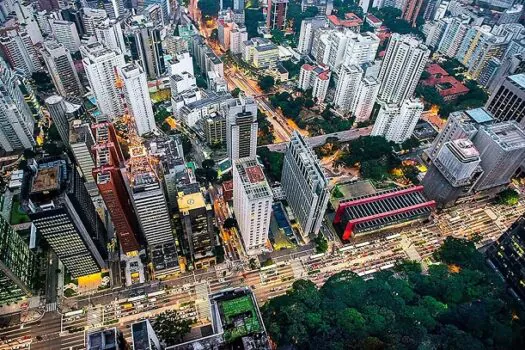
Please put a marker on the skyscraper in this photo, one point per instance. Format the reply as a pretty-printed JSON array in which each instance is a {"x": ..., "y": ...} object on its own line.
[
  {"x": 402, "y": 66},
  {"x": 54, "y": 196},
  {"x": 18, "y": 50},
  {"x": 276, "y": 14},
  {"x": 137, "y": 97},
  {"x": 145, "y": 42},
  {"x": 316, "y": 78},
  {"x": 62, "y": 69},
  {"x": 361, "y": 48},
  {"x": 347, "y": 87},
  {"x": 66, "y": 34},
  {"x": 18, "y": 265},
  {"x": 305, "y": 186},
  {"x": 80, "y": 141},
  {"x": 365, "y": 99},
  {"x": 100, "y": 65},
  {"x": 410, "y": 10},
  {"x": 241, "y": 128},
  {"x": 306, "y": 36},
  {"x": 16, "y": 120},
  {"x": 508, "y": 100},
  {"x": 56, "y": 105},
  {"x": 252, "y": 203},
  {"x": 109, "y": 33},
  {"x": 396, "y": 123},
  {"x": 108, "y": 175},
  {"x": 452, "y": 37}
]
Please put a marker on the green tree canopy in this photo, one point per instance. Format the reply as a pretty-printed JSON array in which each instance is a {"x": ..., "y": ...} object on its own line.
[
  {"x": 171, "y": 327},
  {"x": 508, "y": 196},
  {"x": 266, "y": 83},
  {"x": 273, "y": 162}
]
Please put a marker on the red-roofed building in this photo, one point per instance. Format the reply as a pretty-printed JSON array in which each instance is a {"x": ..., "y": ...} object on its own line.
[
  {"x": 316, "y": 78},
  {"x": 448, "y": 87},
  {"x": 351, "y": 21},
  {"x": 227, "y": 190},
  {"x": 373, "y": 20}
]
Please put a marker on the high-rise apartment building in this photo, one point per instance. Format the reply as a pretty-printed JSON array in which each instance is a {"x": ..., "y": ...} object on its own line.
[
  {"x": 365, "y": 99},
  {"x": 80, "y": 142},
  {"x": 17, "y": 48},
  {"x": 16, "y": 120},
  {"x": 305, "y": 186},
  {"x": 100, "y": 65},
  {"x": 241, "y": 128},
  {"x": 276, "y": 14},
  {"x": 347, "y": 87},
  {"x": 402, "y": 66},
  {"x": 91, "y": 18},
  {"x": 360, "y": 48},
  {"x": 396, "y": 123},
  {"x": 18, "y": 265},
  {"x": 62, "y": 69},
  {"x": 252, "y": 203},
  {"x": 109, "y": 177},
  {"x": 66, "y": 34},
  {"x": 508, "y": 101},
  {"x": 145, "y": 42},
  {"x": 238, "y": 35},
  {"x": 306, "y": 36},
  {"x": 316, "y": 78},
  {"x": 410, "y": 10},
  {"x": 137, "y": 97},
  {"x": 109, "y": 33},
  {"x": 54, "y": 196},
  {"x": 453, "y": 36}
]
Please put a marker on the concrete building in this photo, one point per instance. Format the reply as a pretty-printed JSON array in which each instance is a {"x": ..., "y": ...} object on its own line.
[
  {"x": 138, "y": 100},
  {"x": 324, "y": 7},
  {"x": 252, "y": 203},
  {"x": 198, "y": 108},
  {"x": 80, "y": 141},
  {"x": 452, "y": 37},
  {"x": 316, "y": 78},
  {"x": 305, "y": 186},
  {"x": 238, "y": 35},
  {"x": 364, "y": 101},
  {"x": 60, "y": 66},
  {"x": 109, "y": 33},
  {"x": 56, "y": 105},
  {"x": 145, "y": 42},
  {"x": 197, "y": 224},
  {"x": 508, "y": 100},
  {"x": 66, "y": 33},
  {"x": 306, "y": 35},
  {"x": 91, "y": 18},
  {"x": 410, "y": 10},
  {"x": 347, "y": 87},
  {"x": 106, "y": 339},
  {"x": 276, "y": 14},
  {"x": 100, "y": 64},
  {"x": 18, "y": 50},
  {"x": 18, "y": 265},
  {"x": 361, "y": 48},
  {"x": 61, "y": 209},
  {"x": 260, "y": 53},
  {"x": 396, "y": 123},
  {"x": 215, "y": 129},
  {"x": 16, "y": 120},
  {"x": 241, "y": 128},
  {"x": 143, "y": 336},
  {"x": 404, "y": 61}
]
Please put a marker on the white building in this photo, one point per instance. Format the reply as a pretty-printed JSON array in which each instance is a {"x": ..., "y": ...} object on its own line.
[
  {"x": 396, "y": 123},
  {"x": 182, "y": 82},
  {"x": 16, "y": 120},
  {"x": 137, "y": 97},
  {"x": 241, "y": 127},
  {"x": 92, "y": 18},
  {"x": 316, "y": 78},
  {"x": 100, "y": 64},
  {"x": 452, "y": 36},
  {"x": 361, "y": 48},
  {"x": 347, "y": 87},
  {"x": 18, "y": 49},
  {"x": 366, "y": 97},
  {"x": 238, "y": 35},
  {"x": 402, "y": 66},
  {"x": 66, "y": 33},
  {"x": 109, "y": 33},
  {"x": 62, "y": 69},
  {"x": 305, "y": 186},
  {"x": 306, "y": 36},
  {"x": 179, "y": 64},
  {"x": 252, "y": 203}
]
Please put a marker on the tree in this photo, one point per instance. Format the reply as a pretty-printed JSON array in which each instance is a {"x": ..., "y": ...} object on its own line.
[
  {"x": 321, "y": 244},
  {"x": 251, "y": 21},
  {"x": 186, "y": 143},
  {"x": 508, "y": 197},
  {"x": 230, "y": 223},
  {"x": 208, "y": 163},
  {"x": 266, "y": 83},
  {"x": 42, "y": 81},
  {"x": 277, "y": 36},
  {"x": 273, "y": 162},
  {"x": 161, "y": 114},
  {"x": 171, "y": 327},
  {"x": 235, "y": 92},
  {"x": 374, "y": 169},
  {"x": 209, "y": 8},
  {"x": 201, "y": 82},
  {"x": 309, "y": 103}
]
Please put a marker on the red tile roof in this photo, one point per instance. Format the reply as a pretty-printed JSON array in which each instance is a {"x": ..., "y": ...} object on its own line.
[
  {"x": 373, "y": 18},
  {"x": 446, "y": 85},
  {"x": 351, "y": 21}
]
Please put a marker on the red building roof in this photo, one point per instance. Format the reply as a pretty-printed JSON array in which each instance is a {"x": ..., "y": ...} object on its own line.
[
  {"x": 351, "y": 20},
  {"x": 447, "y": 86}
]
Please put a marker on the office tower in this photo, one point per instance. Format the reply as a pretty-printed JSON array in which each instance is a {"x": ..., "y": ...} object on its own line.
[
  {"x": 361, "y": 48},
  {"x": 71, "y": 14},
  {"x": 410, "y": 11},
  {"x": 305, "y": 186},
  {"x": 365, "y": 99},
  {"x": 276, "y": 15},
  {"x": 238, "y": 35},
  {"x": 23, "y": 12},
  {"x": 109, "y": 33},
  {"x": 62, "y": 69},
  {"x": 396, "y": 123},
  {"x": 112, "y": 7},
  {"x": 48, "y": 5},
  {"x": 80, "y": 141},
  {"x": 16, "y": 120},
  {"x": 197, "y": 224},
  {"x": 252, "y": 203},
  {"x": 91, "y": 18},
  {"x": 145, "y": 42},
  {"x": 502, "y": 150},
  {"x": 315, "y": 78},
  {"x": 143, "y": 336},
  {"x": 215, "y": 129},
  {"x": 347, "y": 87},
  {"x": 306, "y": 35},
  {"x": 106, "y": 339},
  {"x": 506, "y": 254},
  {"x": 453, "y": 36},
  {"x": 510, "y": 65},
  {"x": 511, "y": 15},
  {"x": 56, "y": 106},
  {"x": 18, "y": 265},
  {"x": 137, "y": 97},
  {"x": 17, "y": 49},
  {"x": 109, "y": 177},
  {"x": 100, "y": 65},
  {"x": 402, "y": 66},
  {"x": 452, "y": 172},
  {"x": 238, "y": 4},
  {"x": 508, "y": 101},
  {"x": 61, "y": 209},
  {"x": 66, "y": 34},
  {"x": 241, "y": 128}
]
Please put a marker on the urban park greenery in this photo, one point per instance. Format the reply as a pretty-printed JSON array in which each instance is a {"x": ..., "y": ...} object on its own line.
[{"x": 458, "y": 303}]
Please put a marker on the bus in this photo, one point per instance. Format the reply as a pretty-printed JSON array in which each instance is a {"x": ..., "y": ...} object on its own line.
[
  {"x": 138, "y": 297},
  {"x": 154, "y": 294},
  {"x": 74, "y": 313},
  {"x": 393, "y": 236},
  {"x": 364, "y": 244}
]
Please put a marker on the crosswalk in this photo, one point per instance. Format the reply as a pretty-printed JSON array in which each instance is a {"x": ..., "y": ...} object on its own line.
[{"x": 51, "y": 306}]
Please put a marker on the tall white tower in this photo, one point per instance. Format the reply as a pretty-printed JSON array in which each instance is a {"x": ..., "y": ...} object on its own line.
[
  {"x": 241, "y": 128},
  {"x": 396, "y": 123},
  {"x": 66, "y": 33},
  {"x": 347, "y": 87},
  {"x": 100, "y": 64},
  {"x": 62, "y": 69},
  {"x": 366, "y": 97},
  {"x": 404, "y": 62},
  {"x": 137, "y": 97}
]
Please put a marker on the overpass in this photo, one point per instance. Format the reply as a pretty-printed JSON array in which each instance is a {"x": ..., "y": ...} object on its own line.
[{"x": 315, "y": 141}]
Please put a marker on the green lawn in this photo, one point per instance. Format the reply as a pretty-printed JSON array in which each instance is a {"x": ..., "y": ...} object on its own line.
[
  {"x": 234, "y": 307},
  {"x": 17, "y": 215}
]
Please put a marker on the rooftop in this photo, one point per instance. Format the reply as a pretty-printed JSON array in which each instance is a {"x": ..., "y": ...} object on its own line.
[
  {"x": 46, "y": 179},
  {"x": 479, "y": 115},
  {"x": 518, "y": 79},
  {"x": 351, "y": 20},
  {"x": 466, "y": 148},
  {"x": 190, "y": 201},
  {"x": 102, "y": 340},
  {"x": 253, "y": 179},
  {"x": 507, "y": 134}
]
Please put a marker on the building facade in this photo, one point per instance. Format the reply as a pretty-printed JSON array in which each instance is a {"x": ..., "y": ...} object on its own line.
[
  {"x": 241, "y": 128},
  {"x": 396, "y": 123},
  {"x": 60, "y": 66}
]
